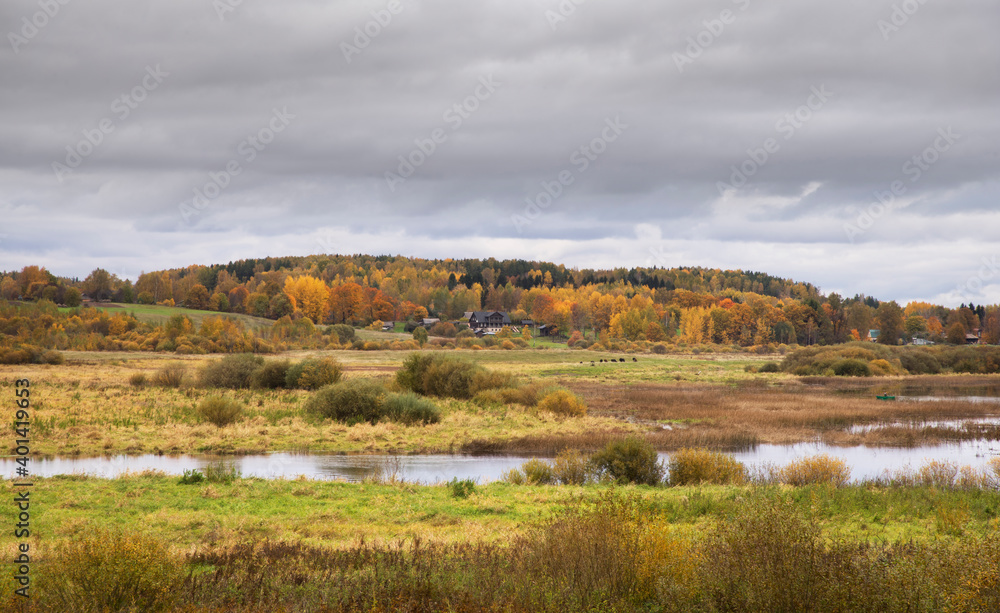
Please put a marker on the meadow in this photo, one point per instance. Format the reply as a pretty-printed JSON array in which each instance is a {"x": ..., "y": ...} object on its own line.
[
  {"x": 222, "y": 542},
  {"x": 89, "y": 406}
]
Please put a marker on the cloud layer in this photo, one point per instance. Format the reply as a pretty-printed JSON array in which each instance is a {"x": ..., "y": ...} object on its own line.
[{"x": 851, "y": 144}]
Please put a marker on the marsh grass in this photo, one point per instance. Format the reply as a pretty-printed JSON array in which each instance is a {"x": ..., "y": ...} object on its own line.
[
  {"x": 754, "y": 549},
  {"x": 697, "y": 466},
  {"x": 815, "y": 470}
]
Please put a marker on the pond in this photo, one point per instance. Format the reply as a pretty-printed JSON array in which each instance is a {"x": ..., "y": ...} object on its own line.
[{"x": 864, "y": 462}]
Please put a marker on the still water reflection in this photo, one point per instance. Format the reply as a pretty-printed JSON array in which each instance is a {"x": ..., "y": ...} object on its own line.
[{"x": 865, "y": 462}]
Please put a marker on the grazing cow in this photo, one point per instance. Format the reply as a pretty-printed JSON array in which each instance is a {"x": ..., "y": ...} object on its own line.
[
  {"x": 634, "y": 360},
  {"x": 621, "y": 359}
]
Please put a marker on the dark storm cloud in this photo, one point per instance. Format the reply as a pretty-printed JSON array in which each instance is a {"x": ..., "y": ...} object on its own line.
[{"x": 483, "y": 105}]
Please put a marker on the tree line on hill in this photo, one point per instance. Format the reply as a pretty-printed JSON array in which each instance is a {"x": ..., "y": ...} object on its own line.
[{"x": 659, "y": 305}]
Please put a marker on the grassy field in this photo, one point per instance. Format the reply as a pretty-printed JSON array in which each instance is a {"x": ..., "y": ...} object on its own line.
[
  {"x": 149, "y": 542},
  {"x": 238, "y": 544},
  {"x": 158, "y": 314},
  {"x": 87, "y": 406}
]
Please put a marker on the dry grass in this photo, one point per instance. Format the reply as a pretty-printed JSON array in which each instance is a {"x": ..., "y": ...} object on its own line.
[{"x": 737, "y": 417}]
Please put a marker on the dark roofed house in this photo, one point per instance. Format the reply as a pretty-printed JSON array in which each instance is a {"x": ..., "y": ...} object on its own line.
[
  {"x": 388, "y": 326},
  {"x": 488, "y": 320},
  {"x": 427, "y": 322}
]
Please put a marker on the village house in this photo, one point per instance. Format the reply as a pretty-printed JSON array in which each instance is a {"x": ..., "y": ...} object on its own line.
[{"x": 488, "y": 320}]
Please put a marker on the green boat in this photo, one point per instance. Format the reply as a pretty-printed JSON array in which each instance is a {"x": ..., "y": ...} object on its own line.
[{"x": 886, "y": 397}]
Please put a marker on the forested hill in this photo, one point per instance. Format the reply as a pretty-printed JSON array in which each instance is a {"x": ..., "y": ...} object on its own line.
[
  {"x": 523, "y": 274},
  {"x": 692, "y": 305}
]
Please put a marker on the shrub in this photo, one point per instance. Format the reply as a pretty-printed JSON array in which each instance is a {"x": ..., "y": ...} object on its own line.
[
  {"x": 563, "y": 402},
  {"x": 353, "y": 401},
  {"x": 441, "y": 375},
  {"x": 513, "y": 476},
  {"x": 344, "y": 332},
  {"x": 572, "y": 468},
  {"x": 191, "y": 477},
  {"x": 538, "y": 472},
  {"x": 694, "y": 466},
  {"x": 232, "y": 372},
  {"x": 409, "y": 408},
  {"x": 103, "y": 570},
  {"x": 881, "y": 368},
  {"x": 816, "y": 470},
  {"x": 919, "y": 362},
  {"x": 938, "y": 473},
  {"x": 461, "y": 489},
  {"x": 220, "y": 411},
  {"x": 770, "y": 367},
  {"x": 851, "y": 367},
  {"x": 659, "y": 348},
  {"x": 313, "y": 373},
  {"x": 271, "y": 375},
  {"x": 137, "y": 379},
  {"x": 632, "y": 460},
  {"x": 171, "y": 375},
  {"x": 53, "y": 357}
]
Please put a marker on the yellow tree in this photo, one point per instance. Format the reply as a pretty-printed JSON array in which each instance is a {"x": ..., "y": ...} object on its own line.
[{"x": 309, "y": 295}]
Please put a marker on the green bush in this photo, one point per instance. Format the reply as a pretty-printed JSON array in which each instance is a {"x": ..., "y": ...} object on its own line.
[
  {"x": 103, "y": 570},
  {"x": 919, "y": 362},
  {"x": 770, "y": 367},
  {"x": 350, "y": 401},
  {"x": 220, "y": 411},
  {"x": 434, "y": 374},
  {"x": 232, "y": 372},
  {"x": 632, "y": 460},
  {"x": 461, "y": 489},
  {"x": 409, "y": 408},
  {"x": 137, "y": 379},
  {"x": 271, "y": 375},
  {"x": 695, "y": 466},
  {"x": 313, "y": 373},
  {"x": 852, "y": 367},
  {"x": 659, "y": 348},
  {"x": 191, "y": 477},
  {"x": 344, "y": 332}
]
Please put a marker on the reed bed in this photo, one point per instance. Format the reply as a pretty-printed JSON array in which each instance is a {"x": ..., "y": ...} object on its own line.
[{"x": 741, "y": 417}]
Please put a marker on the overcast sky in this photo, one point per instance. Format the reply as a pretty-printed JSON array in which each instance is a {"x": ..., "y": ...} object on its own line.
[{"x": 739, "y": 134}]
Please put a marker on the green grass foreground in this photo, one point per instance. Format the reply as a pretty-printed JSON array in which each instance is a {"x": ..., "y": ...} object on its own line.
[{"x": 147, "y": 542}]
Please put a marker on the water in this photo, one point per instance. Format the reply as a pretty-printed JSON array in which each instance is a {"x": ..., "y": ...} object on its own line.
[
  {"x": 953, "y": 424},
  {"x": 864, "y": 462},
  {"x": 872, "y": 462}
]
